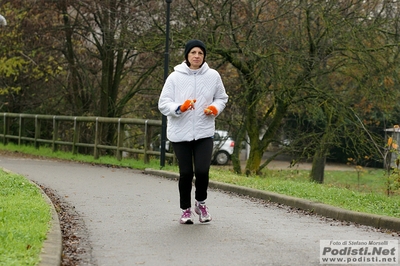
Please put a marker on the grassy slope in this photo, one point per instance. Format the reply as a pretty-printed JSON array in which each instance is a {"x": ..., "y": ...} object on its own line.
[{"x": 24, "y": 220}]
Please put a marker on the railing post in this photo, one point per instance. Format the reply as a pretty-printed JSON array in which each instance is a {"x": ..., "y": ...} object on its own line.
[
  {"x": 75, "y": 137},
  {"x": 120, "y": 139},
  {"x": 5, "y": 129},
  {"x": 20, "y": 129},
  {"x": 96, "y": 140},
  {"x": 146, "y": 156},
  {"x": 55, "y": 134},
  {"x": 37, "y": 132}
]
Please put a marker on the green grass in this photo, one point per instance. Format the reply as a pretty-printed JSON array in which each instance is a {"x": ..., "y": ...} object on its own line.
[{"x": 24, "y": 220}]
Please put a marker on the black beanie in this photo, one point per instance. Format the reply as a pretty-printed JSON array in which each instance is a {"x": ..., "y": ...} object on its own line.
[{"x": 194, "y": 43}]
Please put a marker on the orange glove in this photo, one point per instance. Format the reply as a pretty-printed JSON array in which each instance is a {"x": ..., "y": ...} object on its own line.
[
  {"x": 211, "y": 110},
  {"x": 187, "y": 105}
]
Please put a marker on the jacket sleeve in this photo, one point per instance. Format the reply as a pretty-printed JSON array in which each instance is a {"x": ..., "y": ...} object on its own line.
[
  {"x": 220, "y": 96},
  {"x": 166, "y": 102}
]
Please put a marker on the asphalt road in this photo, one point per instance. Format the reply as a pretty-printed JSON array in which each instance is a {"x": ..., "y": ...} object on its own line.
[{"x": 132, "y": 219}]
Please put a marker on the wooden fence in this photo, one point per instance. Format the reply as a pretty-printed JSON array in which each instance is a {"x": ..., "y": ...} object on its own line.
[{"x": 65, "y": 130}]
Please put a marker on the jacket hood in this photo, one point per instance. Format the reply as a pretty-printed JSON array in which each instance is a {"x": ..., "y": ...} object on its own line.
[{"x": 183, "y": 68}]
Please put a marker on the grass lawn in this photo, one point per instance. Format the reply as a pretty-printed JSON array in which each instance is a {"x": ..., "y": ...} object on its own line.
[{"x": 24, "y": 220}]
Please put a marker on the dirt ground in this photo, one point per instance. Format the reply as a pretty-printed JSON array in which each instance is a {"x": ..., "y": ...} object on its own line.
[
  {"x": 283, "y": 163},
  {"x": 307, "y": 166}
]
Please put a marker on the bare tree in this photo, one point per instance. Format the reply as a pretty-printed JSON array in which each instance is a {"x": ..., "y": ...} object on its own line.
[
  {"x": 27, "y": 64},
  {"x": 342, "y": 36},
  {"x": 281, "y": 61},
  {"x": 108, "y": 54},
  {"x": 284, "y": 54}
]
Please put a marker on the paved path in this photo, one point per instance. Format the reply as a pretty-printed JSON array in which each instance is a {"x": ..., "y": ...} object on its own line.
[{"x": 132, "y": 219}]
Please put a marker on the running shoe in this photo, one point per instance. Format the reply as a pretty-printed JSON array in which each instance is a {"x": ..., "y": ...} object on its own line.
[
  {"x": 186, "y": 217},
  {"x": 202, "y": 211}
]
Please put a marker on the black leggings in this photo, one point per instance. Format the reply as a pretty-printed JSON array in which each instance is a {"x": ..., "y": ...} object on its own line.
[{"x": 199, "y": 152}]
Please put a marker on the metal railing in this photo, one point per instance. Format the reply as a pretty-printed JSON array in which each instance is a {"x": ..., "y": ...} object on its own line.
[{"x": 64, "y": 134}]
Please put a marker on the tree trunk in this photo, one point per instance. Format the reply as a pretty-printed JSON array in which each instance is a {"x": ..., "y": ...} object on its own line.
[
  {"x": 254, "y": 161},
  {"x": 318, "y": 167},
  {"x": 237, "y": 168}
]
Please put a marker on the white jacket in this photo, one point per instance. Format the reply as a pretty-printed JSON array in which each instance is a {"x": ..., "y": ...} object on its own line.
[{"x": 204, "y": 85}]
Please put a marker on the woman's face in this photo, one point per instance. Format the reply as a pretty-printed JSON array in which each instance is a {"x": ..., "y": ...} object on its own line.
[{"x": 196, "y": 58}]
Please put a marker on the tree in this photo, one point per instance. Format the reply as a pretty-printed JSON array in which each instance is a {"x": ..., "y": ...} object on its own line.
[
  {"x": 100, "y": 54},
  {"x": 26, "y": 63},
  {"x": 311, "y": 70},
  {"x": 285, "y": 53},
  {"x": 356, "y": 28}
]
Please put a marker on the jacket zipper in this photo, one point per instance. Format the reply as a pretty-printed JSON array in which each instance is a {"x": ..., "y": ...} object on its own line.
[{"x": 194, "y": 116}]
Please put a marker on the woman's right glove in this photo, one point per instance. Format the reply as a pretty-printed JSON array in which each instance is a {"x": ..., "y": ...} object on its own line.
[{"x": 187, "y": 105}]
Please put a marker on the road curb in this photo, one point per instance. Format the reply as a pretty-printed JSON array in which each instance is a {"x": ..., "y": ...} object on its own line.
[
  {"x": 377, "y": 221},
  {"x": 52, "y": 246}
]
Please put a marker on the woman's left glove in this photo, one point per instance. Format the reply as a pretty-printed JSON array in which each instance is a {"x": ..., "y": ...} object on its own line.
[{"x": 211, "y": 110}]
